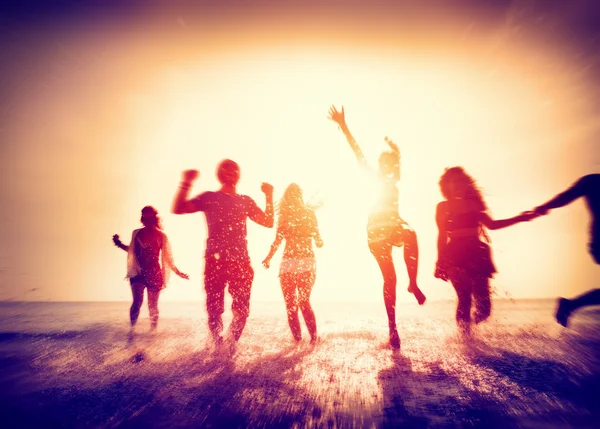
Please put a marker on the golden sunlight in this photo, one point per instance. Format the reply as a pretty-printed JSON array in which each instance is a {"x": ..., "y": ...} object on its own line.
[{"x": 267, "y": 111}]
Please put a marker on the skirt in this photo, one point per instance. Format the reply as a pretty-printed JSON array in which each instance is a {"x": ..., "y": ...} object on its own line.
[{"x": 469, "y": 256}]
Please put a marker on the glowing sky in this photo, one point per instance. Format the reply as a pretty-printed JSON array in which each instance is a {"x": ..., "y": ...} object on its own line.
[{"x": 105, "y": 104}]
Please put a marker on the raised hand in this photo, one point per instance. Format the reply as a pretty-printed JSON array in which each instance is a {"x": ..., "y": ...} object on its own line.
[
  {"x": 189, "y": 176},
  {"x": 391, "y": 144},
  {"x": 116, "y": 240},
  {"x": 267, "y": 189},
  {"x": 337, "y": 116}
]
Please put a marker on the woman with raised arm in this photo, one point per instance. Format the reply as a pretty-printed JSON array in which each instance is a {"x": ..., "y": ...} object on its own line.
[
  {"x": 463, "y": 257},
  {"x": 149, "y": 261},
  {"x": 297, "y": 225},
  {"x": 386, "y": 228}
]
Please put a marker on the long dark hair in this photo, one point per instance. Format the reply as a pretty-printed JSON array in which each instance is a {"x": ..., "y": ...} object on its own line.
[{"x": 473, "y": 193}]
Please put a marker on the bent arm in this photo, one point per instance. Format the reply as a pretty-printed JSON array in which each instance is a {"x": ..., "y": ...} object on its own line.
[
  {"x": 266, "y": 218},
  {"x": 182, "y": 204},
  {"x": 119, "y": 243}
]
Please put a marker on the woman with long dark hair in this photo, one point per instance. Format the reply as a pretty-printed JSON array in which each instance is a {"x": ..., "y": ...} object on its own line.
[
  {"x": 297, "y": 225},
  {"x": 386, "y": 228},
  {"x": 149, "y": 262},
  {"x": 464, "y": 256}
]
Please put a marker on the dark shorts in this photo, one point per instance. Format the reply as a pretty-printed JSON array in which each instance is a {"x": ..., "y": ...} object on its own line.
[
  {"x": 152, "y": 280},
  {"x": 220, "y": 273}
]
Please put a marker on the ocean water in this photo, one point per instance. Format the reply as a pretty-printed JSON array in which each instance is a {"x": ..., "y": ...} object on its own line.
[{"x": 74, "y": 365}]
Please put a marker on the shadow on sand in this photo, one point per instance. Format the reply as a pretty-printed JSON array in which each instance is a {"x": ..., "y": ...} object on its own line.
[
  {"x": 205, "y": 389},
  {"x": 433, "y": 398}
]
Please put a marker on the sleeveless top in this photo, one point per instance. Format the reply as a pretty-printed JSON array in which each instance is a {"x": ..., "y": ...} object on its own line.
[{"x": 468, "y": 220}]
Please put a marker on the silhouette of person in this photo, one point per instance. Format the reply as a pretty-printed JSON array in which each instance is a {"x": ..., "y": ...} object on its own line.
[
  {"x": 463, "y": 258},
  {"x": 589, "y": 188},
  {"x": 386, "y": 228},
  {"x": 227, "y": 262},
  {"x": 149, "y": 261},
  {"x": 297, "y": 225}
]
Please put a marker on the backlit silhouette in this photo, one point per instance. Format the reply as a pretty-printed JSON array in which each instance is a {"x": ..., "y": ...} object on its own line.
[
  {"x": 149, "y": 261},
  {"x": 587, "y": 187},
  {"x": 227, "y": 262},
  {"x": 297, "y": 225},
  {"x": 386, "y": 228},
  {"x": 463, "y": 258}
]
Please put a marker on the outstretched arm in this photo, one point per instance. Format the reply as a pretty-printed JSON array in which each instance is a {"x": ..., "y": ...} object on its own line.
[
  {"x": 266, "y": 218},
  {"x": 340, "y": 119},
  {"x": 181, "y": 203},
  {"x": 119, "y": 243},
  {"x": 562, "y": 199},
  {"x": 492, "y": 224}
]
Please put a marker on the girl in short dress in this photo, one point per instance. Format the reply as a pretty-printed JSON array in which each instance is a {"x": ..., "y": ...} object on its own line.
[
  {"x": 464, "y": 257},
  {"x": 149, "y": 261}
]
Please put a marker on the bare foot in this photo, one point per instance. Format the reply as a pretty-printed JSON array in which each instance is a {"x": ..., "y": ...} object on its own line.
[{"x": 420, "y": 296}]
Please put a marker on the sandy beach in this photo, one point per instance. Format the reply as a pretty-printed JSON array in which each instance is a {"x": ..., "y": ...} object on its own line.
[{"x": 72, "y": 365}]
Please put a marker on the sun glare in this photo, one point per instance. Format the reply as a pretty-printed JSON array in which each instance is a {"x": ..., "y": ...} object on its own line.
[{"x": 269, "y": 114}]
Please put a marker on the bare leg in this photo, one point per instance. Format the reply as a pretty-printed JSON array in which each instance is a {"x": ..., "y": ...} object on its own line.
[
  {"x": 566, "y": 306},
  {"x": 383, "y": 255},
  {"x": 153, "y": 307},
  {"x": 411, "y": 259},
  {"x": 288, "y": 287},
  {"x": 306, "y": 281},
  {"x": 483, "y": 301},
  {"x": 137, "y": 290},
  {"x": 463, "y": 287}
]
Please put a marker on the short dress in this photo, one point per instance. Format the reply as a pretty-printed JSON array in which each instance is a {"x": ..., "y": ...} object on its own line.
[
  {"x": 149, "y": 263},
  {"x": 469, "y": 254}
]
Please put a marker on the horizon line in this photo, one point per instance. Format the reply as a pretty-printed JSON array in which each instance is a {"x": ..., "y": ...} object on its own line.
[{"x": 48, "y": 301}]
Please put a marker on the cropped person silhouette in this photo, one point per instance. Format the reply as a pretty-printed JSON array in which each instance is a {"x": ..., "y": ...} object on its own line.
[
  {"x": 149, "y": 261},
  {"x": 227, "y": 262},
  {"x": 297, "y": 225},
  {"x": 587, "y": 187},
  {"x": 386, "y": 228},
  {"x": 463, "y": 257}
]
